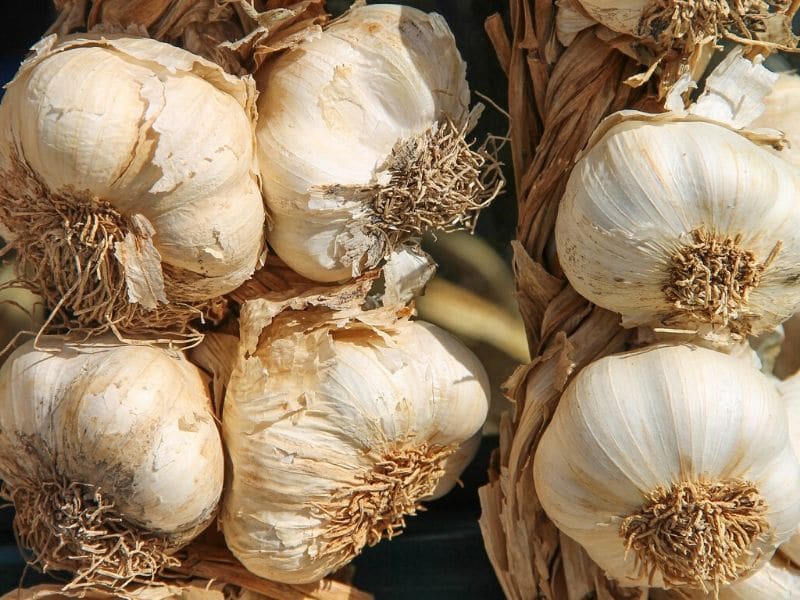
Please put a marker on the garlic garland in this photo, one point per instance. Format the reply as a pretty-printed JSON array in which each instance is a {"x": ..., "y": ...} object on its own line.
[
  {"x": 337, "y": 426},
  {"x": 682, "y": 223},
  {"x": 361, "y": 141},
  {"x": 128, "y": 183},
  {"x": 671, "y": 466},
  {"x": 110, "y": 455}
]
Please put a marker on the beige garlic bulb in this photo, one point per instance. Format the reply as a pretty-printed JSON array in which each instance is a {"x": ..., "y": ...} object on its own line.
[
  {"x": 361, "y": 141},
  {"x": 671, "y": 466},
  {"x": 781, "y": 113},
  {"x": 128, "y": 183},
  {"x": 110, "y": 455},
  {"x": 337, "y": 429},
  {"x": 682, "y": 224}
]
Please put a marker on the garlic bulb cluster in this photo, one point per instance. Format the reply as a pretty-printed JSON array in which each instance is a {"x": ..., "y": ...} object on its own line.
[
  {"x": 337, "y": 428},
  {"x": 110, "y": 455},
  {"x": 128, "y": 183},
  {"x": 682, "y": 223},
  {"x": 361, "y": 141},
  {"x": 671, "y": 466}
]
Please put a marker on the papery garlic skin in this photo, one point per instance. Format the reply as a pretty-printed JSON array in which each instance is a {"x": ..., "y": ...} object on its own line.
[
  {"x": 131, "y": 421},
  {"x": 638, "y": 197},
  {"x": 314, "y": 422},
  {"x": 631, "y": 423},
  {"x": 161, "y": 138},
  {"x": 781, "y": 113},
  {"x": 330, "y": 113}
]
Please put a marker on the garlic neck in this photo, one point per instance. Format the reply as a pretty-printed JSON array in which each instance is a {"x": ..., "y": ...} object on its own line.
[
  {"x": 697, "y": 534},
  {"x": 710, "y": 278}
]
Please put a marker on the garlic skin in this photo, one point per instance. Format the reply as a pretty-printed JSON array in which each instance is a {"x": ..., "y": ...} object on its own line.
[
  {"x": 153, "y": 145},
  {"x": 130, "y": 422},
  {"x": 336, "y": 432},
  {"x": 378, "y": 80},
  {"x": 653, "y": 200},
  {"x": 679, "y": 419},
  {"x": 781, "y": 114}
]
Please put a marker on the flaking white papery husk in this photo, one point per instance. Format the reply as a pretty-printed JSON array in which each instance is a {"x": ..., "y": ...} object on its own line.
[
  {"x": 330, "y": 112},
  {"x": 164, "y": 136},
  {"x": 632, "y": 422},
  {"x": 133, "y": 421},
  {"x": 644, "y": 184},
  {"x": 781, "y": 113},
  {"x": 316, "y": 400},
  {"x": 790, "y": 390}
]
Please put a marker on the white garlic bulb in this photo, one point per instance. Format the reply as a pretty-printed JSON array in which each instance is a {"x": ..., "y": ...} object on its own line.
[
  {"x": 781, "y": 113},
  {"x": 361, "y": 140},
  {"x": 336, "y": 431},
  {"x": 671, "y": 466},
  {"x": 110, "y": 454},
  {"x": 682, "y": 224},
  {"x": 129, "y": 185}
]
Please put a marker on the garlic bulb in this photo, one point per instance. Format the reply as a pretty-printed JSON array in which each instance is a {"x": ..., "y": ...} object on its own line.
[
  {"x": 682, "y": 224},
  {"x": 781, "y": 114},
  {"x": 129, "y": 186},
  {"x": 337, "y": 428},
  {"x": 110, "y": 455},
  {"x": 361, "y": 141},
  {"x": 671, "y": 466}
]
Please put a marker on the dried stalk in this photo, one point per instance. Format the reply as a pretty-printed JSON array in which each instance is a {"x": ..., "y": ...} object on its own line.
[{"x": 557, "y": 97}]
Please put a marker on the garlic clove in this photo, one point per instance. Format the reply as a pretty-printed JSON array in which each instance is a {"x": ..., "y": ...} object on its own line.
[{"x": 671, "y": 426}]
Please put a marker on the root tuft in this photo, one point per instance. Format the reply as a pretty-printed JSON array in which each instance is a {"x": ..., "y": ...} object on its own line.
[
  {"x": 66, "y": 245},
  {"x": 376, "y": 507},
  {"x": 67, "y": 526},
  {"x": 710, "y": 279},
  {"x": 697, "y": 534}
]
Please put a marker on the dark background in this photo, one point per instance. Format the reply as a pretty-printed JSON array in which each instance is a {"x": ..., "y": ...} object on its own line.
[{"x": 440, "y": 555}]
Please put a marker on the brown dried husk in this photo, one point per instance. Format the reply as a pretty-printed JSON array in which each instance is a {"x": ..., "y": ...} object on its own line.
[
  {"x": 239, "y": 35},
  {"x": 557, "y": 97}
]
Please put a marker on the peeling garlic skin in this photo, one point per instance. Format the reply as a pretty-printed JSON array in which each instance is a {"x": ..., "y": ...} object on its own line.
[
  {"x": 134, "y": 421},
  {"x": 330, "y": 113},
  {"x": 153, "y": 130},
  {"x": 336, "y": 435}
]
